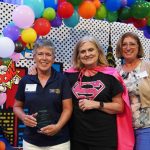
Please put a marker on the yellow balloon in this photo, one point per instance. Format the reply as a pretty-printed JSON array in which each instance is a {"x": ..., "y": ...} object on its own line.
[{"x": 29, "y": 35}]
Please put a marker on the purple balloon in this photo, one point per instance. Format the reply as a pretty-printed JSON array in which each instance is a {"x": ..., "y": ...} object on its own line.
[
  {"x": 23, "y": 16},
  {"x": 11, "y": 31},
  {"x": 56, "y": 22},
  {"x": 123, "y": 3}
]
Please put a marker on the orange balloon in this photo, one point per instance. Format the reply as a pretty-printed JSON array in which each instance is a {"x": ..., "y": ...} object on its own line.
[
  {"x": 97, "y": 3},
  {"x": 87, "y": 9},
  {"x": 2, "y": 145}
]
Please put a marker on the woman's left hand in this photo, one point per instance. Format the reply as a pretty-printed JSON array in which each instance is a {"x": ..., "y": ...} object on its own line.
[
  {"x": 85, "y": 104},
  {"x": 50, "y": 130}
]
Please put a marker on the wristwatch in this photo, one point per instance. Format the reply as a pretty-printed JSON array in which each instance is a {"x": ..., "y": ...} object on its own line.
[{"x": 101, "y": 104}]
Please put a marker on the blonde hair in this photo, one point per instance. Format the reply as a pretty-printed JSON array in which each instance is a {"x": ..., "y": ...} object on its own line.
[
  {"x": 120, "y": 42},
  {"x": 76, "y": 60}
]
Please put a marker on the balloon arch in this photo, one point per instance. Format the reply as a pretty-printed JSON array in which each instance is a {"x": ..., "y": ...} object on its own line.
[{"x": 36, "y": 17}]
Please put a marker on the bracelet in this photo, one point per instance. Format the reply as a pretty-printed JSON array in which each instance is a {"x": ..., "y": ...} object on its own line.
[{"x": 101, "y": 104}]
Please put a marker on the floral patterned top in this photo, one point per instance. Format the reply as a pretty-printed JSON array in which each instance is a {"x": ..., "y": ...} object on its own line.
[{"x": 141, "y": 116}]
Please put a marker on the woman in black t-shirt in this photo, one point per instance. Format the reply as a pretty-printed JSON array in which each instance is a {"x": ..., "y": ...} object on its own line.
[{"x": 97, "y": 98}]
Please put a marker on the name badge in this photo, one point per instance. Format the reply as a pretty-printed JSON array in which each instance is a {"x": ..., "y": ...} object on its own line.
[
  {"x": 30, "y": 87},
  {"x": 142, "y": 74}
]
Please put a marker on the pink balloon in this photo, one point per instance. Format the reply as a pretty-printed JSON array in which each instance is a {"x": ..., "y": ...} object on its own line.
[
  {"x": 23, "y": 16},
  {"x": 3, "y": 98},
  {"x": 15, "y": 57}
]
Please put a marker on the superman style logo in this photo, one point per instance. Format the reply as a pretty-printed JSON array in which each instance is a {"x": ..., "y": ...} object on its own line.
[{"x": 87, "y": 89}]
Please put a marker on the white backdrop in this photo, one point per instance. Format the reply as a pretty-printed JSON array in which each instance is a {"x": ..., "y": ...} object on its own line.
[{"x": 65, "y": 38}]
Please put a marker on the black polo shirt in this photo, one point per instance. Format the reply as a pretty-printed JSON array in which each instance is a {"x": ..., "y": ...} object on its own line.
[{"x": 36, "y": 98}]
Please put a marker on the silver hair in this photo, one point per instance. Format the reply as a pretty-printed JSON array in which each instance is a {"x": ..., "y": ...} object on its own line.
[{"x": 44, "y": 43}]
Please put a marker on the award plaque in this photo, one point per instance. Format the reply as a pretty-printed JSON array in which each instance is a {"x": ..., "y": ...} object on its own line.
[{"x": 43, "y": 118}]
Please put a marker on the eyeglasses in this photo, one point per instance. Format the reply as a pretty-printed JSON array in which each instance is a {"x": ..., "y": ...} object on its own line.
[{"x": 131, "y": 45}]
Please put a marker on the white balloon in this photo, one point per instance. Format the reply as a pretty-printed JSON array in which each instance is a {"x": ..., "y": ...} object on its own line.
[{"x": 7, "y": 47}]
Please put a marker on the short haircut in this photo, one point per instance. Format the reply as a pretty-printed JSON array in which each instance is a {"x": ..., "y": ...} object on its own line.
[{"x": 44, "y": 43}]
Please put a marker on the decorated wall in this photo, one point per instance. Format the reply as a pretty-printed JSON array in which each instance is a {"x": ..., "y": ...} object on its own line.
[{"x": 64, "y": 38}]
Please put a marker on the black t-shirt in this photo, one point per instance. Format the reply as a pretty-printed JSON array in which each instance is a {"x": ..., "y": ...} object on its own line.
[{"x": 94, "y": 126}]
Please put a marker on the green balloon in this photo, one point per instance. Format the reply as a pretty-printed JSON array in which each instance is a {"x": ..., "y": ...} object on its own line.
[
  {"x": 125, "y": 13},
  {"x": 112, "y": 16},
  {"x": 75, "y": 2},
  {"x": 101, "y": 13},
  {"x": 140, "y": 10},
  {"x": 148, "y": 21},
  {"x": 49, "y": 13}
]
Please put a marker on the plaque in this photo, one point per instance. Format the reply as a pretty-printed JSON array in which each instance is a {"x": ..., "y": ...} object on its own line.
[{"x": 43, "y": 118}]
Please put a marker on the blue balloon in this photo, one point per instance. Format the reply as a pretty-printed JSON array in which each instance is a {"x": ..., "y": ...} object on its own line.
[
  {"x": 146, "y": 34},
  {"x": 36, "y": 5},
  {"x": 73, "y": 20},
  {"x": 130, "y": 2},
  {"x": 51, "y": 3},
  {"x": 113, "y": 5}
]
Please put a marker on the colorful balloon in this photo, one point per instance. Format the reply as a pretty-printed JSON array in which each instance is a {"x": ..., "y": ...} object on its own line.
[
  {"x": 57, "y": 22},
  {"x": 73, "y": 20},
  {"x": 15, "y": 57},
  {"x": 75, "y": 2},
  {"x": 96, "y": 3},
  {"x": 112, "y": 16},
  {"x": 29, "y": 35},
  {"x": 60, "y": 1},
  {"x": 113, "y": 5},
  {"x": 23, "y": 16},
  {"x": 65, "y": 10},
  {"x": 125, "y": 13},
  {"x": 147, "y": 33},
  {"x": 19, "y": 47},
  {"x": 36, "y": 5},
  {"x": 101, "y": 12},
  {"x": 140, "y": 23},
  {"x": 140, "y": 10},
  {"x": 87, "y": 9},
  {"x": 49, "y": 13},
  {"x": 7, "y": 47},
  {"x": 2, "y": 145},
  {"x": 11, "y": 31},
  {"x": 148, "y": 21},
  {"x": 42, "y": 26},
  {"x": 130, "y": 2},
  {"x": 51, "y": 3}
]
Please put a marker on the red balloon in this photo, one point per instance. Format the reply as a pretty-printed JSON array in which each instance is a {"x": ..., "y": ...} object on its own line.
[
  {"x": 140, "y": 23},
  {"x": 42, "y": 26},
  {"x": 129, "y": 20},
  {"x": 65, "y": 10},
  {"x": 60, "y": 1},
  {"x": 20, "y": 40}
]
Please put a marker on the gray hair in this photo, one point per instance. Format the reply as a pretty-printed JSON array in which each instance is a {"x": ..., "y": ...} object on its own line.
[
  {"x": 44, "y": 43},
  {"x": 76, "y": 60}
]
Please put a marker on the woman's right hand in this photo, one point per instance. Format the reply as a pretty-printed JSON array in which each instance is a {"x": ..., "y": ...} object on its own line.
[{"x": 30, "y": 120}]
